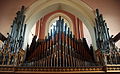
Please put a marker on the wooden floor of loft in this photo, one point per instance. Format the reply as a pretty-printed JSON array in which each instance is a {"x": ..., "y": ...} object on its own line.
[
  {"x": 58, "y": 73},
  {"x": 109, "y": 69}
]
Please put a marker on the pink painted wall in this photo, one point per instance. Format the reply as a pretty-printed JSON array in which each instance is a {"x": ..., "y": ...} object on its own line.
[
  {"x": 111, "y": 12},
  {"x": 8, "y": 9}
]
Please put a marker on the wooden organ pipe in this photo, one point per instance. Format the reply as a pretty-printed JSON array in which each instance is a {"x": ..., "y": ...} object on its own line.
[
  {"x": 46, "y": 48},
  {"x": 71, "y": 49},
  {"x": 78, "y": 28}
]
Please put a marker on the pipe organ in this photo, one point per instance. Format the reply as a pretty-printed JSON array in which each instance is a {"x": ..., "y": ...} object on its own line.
[
  {"x": 105, "y": 43},
  {"x": 12, "y": 48},
  {"x": 60, "y": 51}
]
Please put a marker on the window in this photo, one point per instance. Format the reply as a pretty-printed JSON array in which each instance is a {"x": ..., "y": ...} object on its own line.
[{"x": 53, "y": 25}]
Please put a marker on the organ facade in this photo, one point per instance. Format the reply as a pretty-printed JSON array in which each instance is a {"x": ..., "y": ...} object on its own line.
[{"x": 63, "y": 50}]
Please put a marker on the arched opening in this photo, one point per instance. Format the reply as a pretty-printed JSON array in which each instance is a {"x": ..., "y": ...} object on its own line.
[
  {"x": 48, "y": 23},
  {"x": 53, "y": 24},
  {"x": 68, "y": 18},
  {"x": 41, "y": 8}
]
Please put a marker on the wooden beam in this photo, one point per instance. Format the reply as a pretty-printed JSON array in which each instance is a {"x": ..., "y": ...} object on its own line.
[
  {"x": 2, "y": 37},
  {"x": 116, "y": 38}
]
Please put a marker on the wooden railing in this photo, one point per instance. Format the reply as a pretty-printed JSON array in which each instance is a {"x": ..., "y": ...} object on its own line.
[
  {"x": 12, "y": 69},
  {"x": 89, "y": 69}
]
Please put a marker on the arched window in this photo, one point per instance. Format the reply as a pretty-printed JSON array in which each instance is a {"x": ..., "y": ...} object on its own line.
[{"x": 53, "y": 25}]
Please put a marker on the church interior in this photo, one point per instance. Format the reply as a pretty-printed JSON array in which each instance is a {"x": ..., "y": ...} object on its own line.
[{"x": 59, "y": 36}]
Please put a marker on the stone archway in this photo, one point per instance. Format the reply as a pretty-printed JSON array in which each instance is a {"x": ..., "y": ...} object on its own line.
[{"x": 76, "y": 7}]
